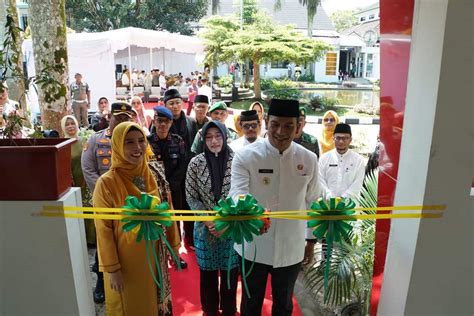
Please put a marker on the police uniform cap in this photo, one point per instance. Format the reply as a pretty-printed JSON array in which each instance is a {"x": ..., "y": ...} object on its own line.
[
  {"x": 218, "y": 106},
  {"x": 171, "y": 94},
  {"x": 121, "y": 108},
  {"x": 343, "y": 128},
  {"x": 163, "y": 111},
  {"x": 200, "y": 98},
  {"x": 284, "y": 108}
]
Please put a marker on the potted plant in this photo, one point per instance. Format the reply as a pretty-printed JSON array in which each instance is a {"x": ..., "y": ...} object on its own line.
[
  {"x": 33, "y": 168},
  {"x": 351, "y": 264}
]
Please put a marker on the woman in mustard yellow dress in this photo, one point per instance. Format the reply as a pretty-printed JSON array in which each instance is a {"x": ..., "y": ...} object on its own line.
[
  {"x": 330, "y": 120},
  {"x": 129, "y": 285}
]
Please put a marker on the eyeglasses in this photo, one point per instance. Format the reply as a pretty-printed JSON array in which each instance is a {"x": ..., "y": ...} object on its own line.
[
  {"x": 343, "y": 138},
  {"x": 161, "y": 120},
  {"x": 249, "y": 126},
  {"x": 210, "y": 137},
  {"x": 329, "y": 120}
]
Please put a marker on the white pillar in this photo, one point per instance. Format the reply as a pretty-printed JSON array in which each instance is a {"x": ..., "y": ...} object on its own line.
[
  {"x": 151, "y": 59},
  {"x": 163, "y": 56},
  {"x": 429, "y": 267},
  {"x": 44, "y": 265},
  {"x": 364, "y": 70},
  {"x": 130, "y": 69}
]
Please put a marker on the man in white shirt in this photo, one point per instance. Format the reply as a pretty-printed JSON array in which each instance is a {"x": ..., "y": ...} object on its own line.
[
  {"x": 281, "y": 175},
  {"x": 205, "y": 89},
  {"x": 341, "y": 170},
  {"x": 250, "y": 125}
]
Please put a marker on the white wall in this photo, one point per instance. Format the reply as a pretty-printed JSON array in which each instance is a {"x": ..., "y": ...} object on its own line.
[
  {"x": 375, "y": 51},
  {"x": 44, "y": 265},
  {"x": 368, "y": 13},
  {"x": 429, "y": 267},
  {"x": 320, "y": 70}
]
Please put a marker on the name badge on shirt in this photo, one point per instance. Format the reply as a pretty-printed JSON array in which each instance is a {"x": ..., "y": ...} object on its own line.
[
  {"x": 265, "y": 170},
  {"x": 332, "y": 165}
]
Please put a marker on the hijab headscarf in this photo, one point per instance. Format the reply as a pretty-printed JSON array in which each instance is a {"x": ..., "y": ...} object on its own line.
[
  {"x": 136, "y": 178},
  {"x": 140, "y": 112},
  {"x": 237, "y": 126},
  {"x": 327, "y": 142},
  {"x": 63, "y": 125},
  {"x": 216, "y": 164},
  {"x": 261, "y": 107}
]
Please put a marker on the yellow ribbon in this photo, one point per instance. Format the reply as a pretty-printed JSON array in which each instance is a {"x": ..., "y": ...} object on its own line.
[{"x": 115, "y": 213}]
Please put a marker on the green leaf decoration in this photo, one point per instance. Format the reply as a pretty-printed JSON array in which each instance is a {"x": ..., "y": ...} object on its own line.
[
  {"x": 332, "y": 230},
  {"x": 149, "y": 231},
  {"x": 240, "y": 230}
]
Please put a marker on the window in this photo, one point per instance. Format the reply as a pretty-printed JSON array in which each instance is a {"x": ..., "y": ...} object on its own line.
[
  {"x": 280, "y": 64},
  {"x": 331, "y": 63},
  {"x": 371, "y": 17},
  {"x": 24, "y": 21},
  {"x": 362, "y": 18},
  {"x": 370, "y": 65}
]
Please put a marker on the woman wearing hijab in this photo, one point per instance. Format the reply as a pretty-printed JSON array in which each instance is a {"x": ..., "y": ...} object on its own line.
[
  {"x": 143, "y": 119},
  {"x": 70, "y": 128},
  {"x": 237, "y": 128},
  {"x": 129, "y": 285},
  {"x": 330, "y": 120},
  {"x": 257, "y": 106},
  {"x": 207, "y": 181}
]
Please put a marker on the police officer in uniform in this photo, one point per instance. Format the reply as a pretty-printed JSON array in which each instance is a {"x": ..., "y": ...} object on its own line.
[
  {"x": 81, "y": 99},
  {"x": 170, "y": 150},
  {"x": 96, "y": 160},
  {"x": 304, "y": 139}
]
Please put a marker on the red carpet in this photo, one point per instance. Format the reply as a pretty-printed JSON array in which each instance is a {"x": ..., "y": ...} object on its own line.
[{"x": 185, "y": 289}]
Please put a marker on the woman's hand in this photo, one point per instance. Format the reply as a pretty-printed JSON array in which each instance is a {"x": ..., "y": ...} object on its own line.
[
  {"x": 212, "y": 227},
  {"x": 116, "y": 281}
]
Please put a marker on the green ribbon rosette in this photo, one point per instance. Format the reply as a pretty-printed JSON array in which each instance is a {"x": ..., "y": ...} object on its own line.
[
  {"x": 332, "y": 230},
  {"x": 241, "y": 230},
  {"x": 149, "y": 231}
]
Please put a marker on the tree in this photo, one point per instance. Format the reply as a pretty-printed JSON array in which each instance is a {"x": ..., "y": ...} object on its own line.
[
  {"x": 261, "y": 42},
  {"x": 11, "y": 55},
  {"x": 48, "y": 31},
  {"x": 343, "y": 19},
  {"x": 170, "y": 15},
  {"x": 311, "y": 10}
]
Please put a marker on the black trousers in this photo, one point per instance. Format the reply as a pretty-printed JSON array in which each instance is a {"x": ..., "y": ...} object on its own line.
[
  {"x": 215, "y": 297},
  {"x": 283, "y": 284}
]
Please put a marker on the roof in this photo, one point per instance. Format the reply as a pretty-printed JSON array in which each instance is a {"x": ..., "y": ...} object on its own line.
[
  {"x": 375, "y": 5},
  {"x": 292, "y": 12},
  {"x": 361, "y": 29},
  {"x": 351, "y": 40}
]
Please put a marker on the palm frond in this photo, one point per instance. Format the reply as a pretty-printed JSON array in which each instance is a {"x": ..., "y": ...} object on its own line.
[{"x": 351, "y": 264}]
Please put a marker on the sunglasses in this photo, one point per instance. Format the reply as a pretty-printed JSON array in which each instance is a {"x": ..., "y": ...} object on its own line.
[
  {"x": 329, "y": 120},
  {"x": 249, "y": 126}
]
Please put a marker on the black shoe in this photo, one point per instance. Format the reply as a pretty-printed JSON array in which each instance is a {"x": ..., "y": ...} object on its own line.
[
  {"x": 182, "y": 263},
  {"x": 99, "y": 296}
]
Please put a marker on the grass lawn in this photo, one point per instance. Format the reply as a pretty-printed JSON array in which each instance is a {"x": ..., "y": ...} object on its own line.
[{"x": 341, "y": 111}]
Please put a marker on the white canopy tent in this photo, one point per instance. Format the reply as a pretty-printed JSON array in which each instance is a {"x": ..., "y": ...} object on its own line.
[{"x": 95, "y": 55}]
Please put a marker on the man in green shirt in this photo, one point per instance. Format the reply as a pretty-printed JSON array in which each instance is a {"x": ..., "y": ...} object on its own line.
[{"x": 304, "y": 139}]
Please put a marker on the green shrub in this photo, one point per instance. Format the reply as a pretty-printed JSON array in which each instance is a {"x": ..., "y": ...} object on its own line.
[
  {"x": 322, "y": 103},
  {"x": 280, "y": 89},
  {"x": 225, "y": 81},
  {"x": 308, "y": 77}
]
